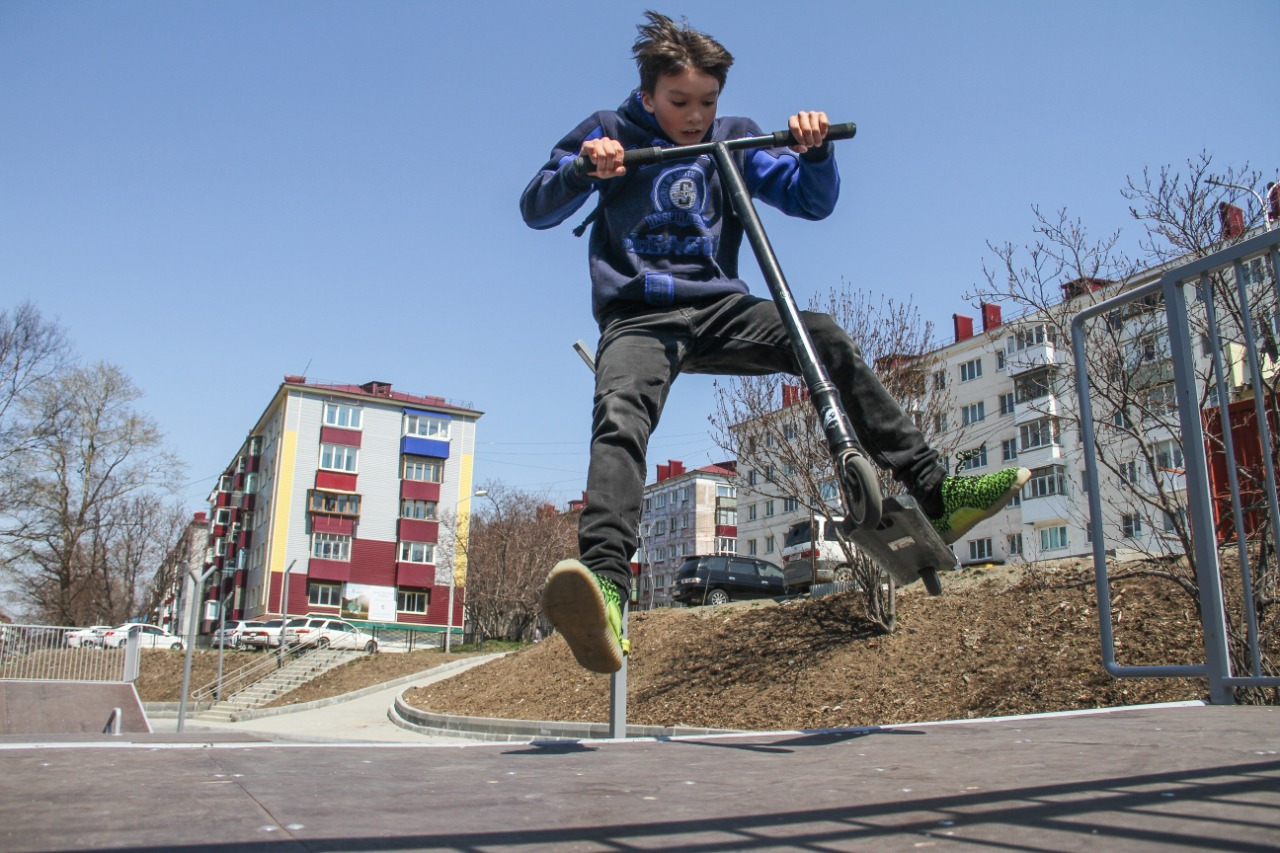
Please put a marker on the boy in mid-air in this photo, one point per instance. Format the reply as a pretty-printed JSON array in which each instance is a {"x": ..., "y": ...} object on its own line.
[{"x": 666, "y": 293}]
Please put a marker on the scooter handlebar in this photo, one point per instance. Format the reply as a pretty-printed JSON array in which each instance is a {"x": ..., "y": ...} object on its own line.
[{"x": 643, "y": 156}]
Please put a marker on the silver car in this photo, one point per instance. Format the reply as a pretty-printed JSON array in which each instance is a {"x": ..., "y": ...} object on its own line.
[{"x": 231, "y": 634}]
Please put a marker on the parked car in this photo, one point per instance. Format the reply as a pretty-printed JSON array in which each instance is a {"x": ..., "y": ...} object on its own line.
[
  {"x": 803, "y": 565},
  {"x": 149, "y": 637},
  {"x": 325, "y": 632},
  {"x": 268, "y": 635},
  {"x": 232, "y": 633},
  {"x": 720, "y": 579},
  {"x": 87, "y": 638}
]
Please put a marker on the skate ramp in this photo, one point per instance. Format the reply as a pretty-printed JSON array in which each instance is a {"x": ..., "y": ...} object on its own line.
[{"x": 69, "y": 707}]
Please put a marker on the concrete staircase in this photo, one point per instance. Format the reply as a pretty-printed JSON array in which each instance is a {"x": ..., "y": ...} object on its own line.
[{"x": 294, "y": 673}]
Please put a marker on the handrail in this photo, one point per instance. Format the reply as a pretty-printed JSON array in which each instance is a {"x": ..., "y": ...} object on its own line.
[{"x": 216, "y": 690}]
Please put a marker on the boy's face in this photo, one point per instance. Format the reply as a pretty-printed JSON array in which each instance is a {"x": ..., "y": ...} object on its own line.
[{"x": 684, "y": 105}]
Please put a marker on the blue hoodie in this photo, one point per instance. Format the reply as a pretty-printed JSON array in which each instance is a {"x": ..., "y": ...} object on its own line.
[{"x": 665, "y": 233}]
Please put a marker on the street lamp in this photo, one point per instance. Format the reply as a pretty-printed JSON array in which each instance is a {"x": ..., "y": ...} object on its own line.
[{"x": 1262, "y": 202}]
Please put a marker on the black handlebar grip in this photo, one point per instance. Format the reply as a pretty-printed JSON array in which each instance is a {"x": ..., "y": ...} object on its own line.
[
  {"x": 583, "y": 166},
  {"x": 846, "y": 130}
]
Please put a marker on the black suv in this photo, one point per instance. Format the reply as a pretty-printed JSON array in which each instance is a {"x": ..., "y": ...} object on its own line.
[{"x": 717, "y": 580}]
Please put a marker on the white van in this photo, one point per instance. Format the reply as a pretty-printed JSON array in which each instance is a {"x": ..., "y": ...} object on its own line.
[{"x": 803, "y": 565}]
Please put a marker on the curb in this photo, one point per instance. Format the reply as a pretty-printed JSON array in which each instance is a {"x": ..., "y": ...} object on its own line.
[{"x": 522, "y": 731}]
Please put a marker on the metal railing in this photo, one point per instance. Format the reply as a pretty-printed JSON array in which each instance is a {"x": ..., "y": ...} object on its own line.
[
  {"x": 1197, "y": 278},
  {"x": 45, "y": 653},
  {"x": 256, "y": 670}
]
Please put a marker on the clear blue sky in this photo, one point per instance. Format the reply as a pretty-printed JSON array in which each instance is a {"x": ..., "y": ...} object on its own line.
[{"x": 215, "y": 194}]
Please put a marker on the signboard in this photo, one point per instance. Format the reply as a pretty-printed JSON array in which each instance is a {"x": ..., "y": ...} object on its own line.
[{"x": 365, "y": 601}]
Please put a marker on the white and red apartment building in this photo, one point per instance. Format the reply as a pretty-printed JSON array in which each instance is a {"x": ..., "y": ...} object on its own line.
[
  {"x": 686, "y": 513},
  {"x": 334, "y": 505}
]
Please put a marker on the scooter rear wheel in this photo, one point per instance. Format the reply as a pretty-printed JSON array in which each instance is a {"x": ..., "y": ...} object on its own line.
[{"x": 861, "y": 491}]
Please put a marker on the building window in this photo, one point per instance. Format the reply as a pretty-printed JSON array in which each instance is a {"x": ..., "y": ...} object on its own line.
[
  {"x": 1129, "y": 472},
  {"x": 333, "y": 503},
  {"x": 790, "y": 505},
  {"x": 1041, "y": 433},
  {"x": 331, "y": 546},
  {"x": 338, "y": 457},
  {"x": 1032, "y": 386},
  {"x": 940, "y": 422},
  {"x": 1009, "y": 450},
  {"x": 726, "y": 491},
  {"x": 1053, "y": 538},
  {"x": 324, "y": 594},
  {"x": 1000, "y": 360},
  {"x": 726, "y": 545},
  {"x": 417, "y": 552},
  {"x": 419, "y": 510},
  {"x": 660, "y": 528},
  {"x": 768, "y": 544},
  {"x": 751, "y": 478},
  {"x": 412, "y": 601},
  {"x": 1014, "y": 541},
  {"x": 339, "y": 415},
  {"x": 1007, "y": 404},
  {"x": 940, "y": 380},
  {"x": 1168, "y": 455},
  {"x": 976, "y": 458},
  {"x": 974, "y": 413},
  {"x": 971, "y": 370},
  {"x": 222, "y": 517},
  {"x": 1131, "y": 525},
  {"x": 980, "y": 549},
  {"x": 426, "y": 426},
  {"x": 751, "y": 547},
  {"x": 768, "y": 509},
  {"x": 423, "y": 469},
  {"x": 751, "y": 512},
  {"x": 1045, "y": 482}
]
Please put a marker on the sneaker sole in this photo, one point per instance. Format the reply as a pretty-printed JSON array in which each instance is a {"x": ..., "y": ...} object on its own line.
[
  {"x": 573, "y": 603},
  {"x": 962, "y": 521}
]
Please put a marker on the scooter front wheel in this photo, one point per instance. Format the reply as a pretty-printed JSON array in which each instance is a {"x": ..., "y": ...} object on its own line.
[{"x": 862, "y": 497}]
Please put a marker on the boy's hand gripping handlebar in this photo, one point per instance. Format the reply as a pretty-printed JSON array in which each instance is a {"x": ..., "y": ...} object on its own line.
[{"x": 777, "y": 139}]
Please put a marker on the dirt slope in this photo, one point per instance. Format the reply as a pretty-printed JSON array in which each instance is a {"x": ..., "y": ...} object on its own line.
[{"x": 995, "y": 643}]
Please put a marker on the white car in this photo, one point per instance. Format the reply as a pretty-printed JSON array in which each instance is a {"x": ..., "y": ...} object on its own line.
[
  {"x": 267, "y": 635},
  {"x": 87, "y": 638},
  {"x": 326, "y": 633},
  {"x": 232, "y": 634},
  {"x": 149, "y": 637}
]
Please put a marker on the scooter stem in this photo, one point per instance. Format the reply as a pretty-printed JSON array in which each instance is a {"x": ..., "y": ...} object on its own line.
[{"x": 835, "y": 423}]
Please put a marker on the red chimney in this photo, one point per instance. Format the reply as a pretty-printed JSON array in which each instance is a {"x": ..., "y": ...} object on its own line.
[
  {"x": 1232, "y": 219},
  {"x": 990, "y": 316},
  {"x": 964, "y": 327},
  {"x": 664, "y": 473}
]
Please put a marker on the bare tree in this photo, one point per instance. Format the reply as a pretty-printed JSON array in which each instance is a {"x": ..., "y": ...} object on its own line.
[
  {"x": 88, "y": 465},
  {"x": 1139, "y": 449},
  {"x": 32, "y": 351},
  {"x": 513, "y": 540},
  {"x": 772, "y": 428}
]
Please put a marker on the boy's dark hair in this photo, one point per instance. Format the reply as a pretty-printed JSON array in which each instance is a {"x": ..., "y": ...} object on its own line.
[{"x": 664, "y": 47}]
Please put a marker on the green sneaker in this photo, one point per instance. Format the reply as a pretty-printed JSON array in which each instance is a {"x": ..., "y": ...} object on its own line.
[
  {"x": 587, "y": 610},
  {"x": 968, "y": 500}
]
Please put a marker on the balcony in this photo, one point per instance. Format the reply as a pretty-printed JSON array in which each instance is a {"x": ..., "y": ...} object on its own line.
[
  {"x": 1050, "y": 508},
  {"x": 1044, "y": 406},
  {"x": 1035, "y": 356},
  {"x": 1039, "y": 457}
]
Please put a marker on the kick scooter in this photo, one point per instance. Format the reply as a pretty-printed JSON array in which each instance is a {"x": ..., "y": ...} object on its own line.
[{"x": 893, "y": 531}]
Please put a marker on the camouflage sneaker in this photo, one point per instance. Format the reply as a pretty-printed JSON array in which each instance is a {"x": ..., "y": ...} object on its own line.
[
  {"x": 587, "y": 610},
  {"x": 968, "y": 500}
]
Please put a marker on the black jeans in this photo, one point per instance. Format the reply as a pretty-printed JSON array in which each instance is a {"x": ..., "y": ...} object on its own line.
[{"x": 641, "y": 352}]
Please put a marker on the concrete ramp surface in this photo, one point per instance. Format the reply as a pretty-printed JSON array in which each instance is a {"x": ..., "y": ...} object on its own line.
[{"x": 68, "y": 707}]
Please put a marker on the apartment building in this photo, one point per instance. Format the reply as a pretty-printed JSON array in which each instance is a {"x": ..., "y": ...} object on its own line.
[
  {"x": 685, "y": 513},
  {"x": 334, "y": 505}
]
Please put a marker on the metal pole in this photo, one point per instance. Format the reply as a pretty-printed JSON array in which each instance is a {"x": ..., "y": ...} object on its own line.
[
  {"x": 284, "y": 610},
  {"x": 197, "y": 585},
  {"x": 448, "y": 630},
  {"x": 618, "y": 687},
  {"x": 222, "y": 637}
]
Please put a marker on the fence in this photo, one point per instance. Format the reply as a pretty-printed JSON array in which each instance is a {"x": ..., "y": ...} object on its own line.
[
  {"x": 1246, "y": 265},
  {"x": 47, "y": 653}
]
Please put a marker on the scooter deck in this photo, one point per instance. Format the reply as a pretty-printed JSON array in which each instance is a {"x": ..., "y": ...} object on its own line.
[{"x": 905, "y": 545}]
